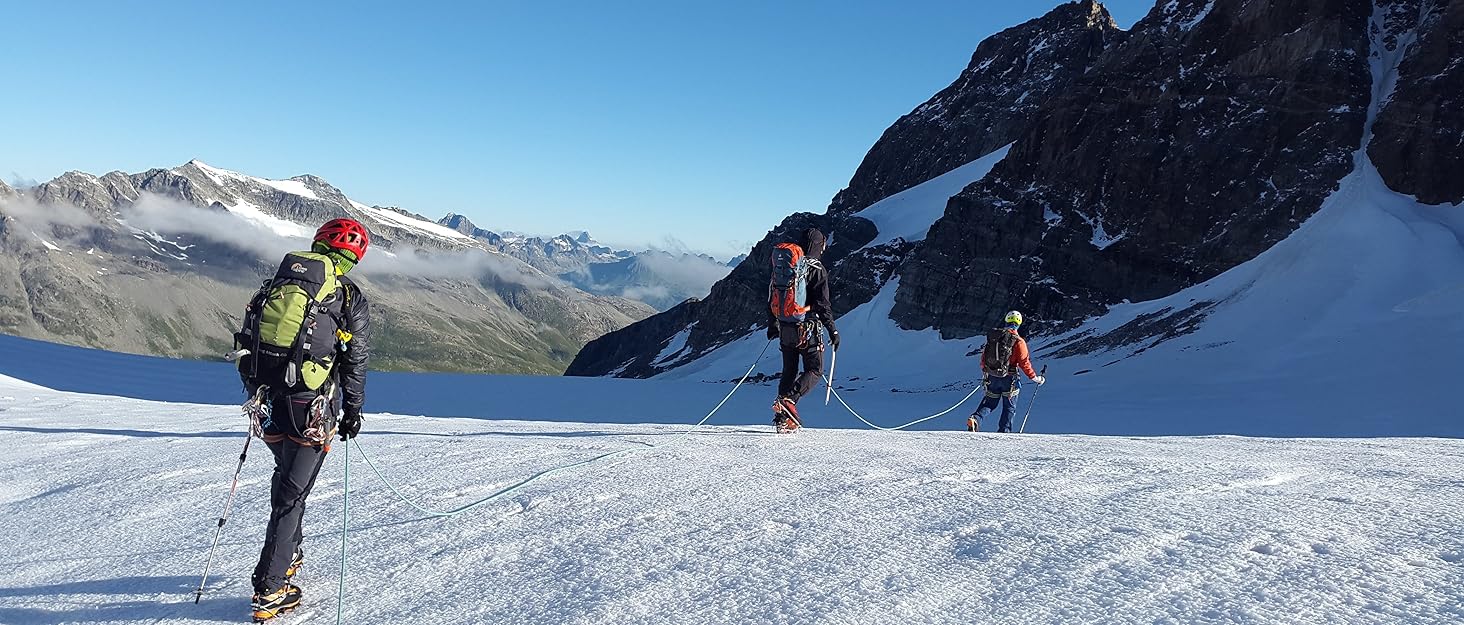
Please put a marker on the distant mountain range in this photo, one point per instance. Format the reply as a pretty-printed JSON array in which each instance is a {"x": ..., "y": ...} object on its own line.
[
  {"x": 660, "y": 278},
  {"x": 161, "y": 262}
]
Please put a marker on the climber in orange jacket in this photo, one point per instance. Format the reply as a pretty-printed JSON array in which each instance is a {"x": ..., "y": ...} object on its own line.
[{"x": 1003, "y": 357}]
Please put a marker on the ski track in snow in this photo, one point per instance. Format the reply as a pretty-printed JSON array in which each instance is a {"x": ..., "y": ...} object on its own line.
[{"x": 110, "y": 504}]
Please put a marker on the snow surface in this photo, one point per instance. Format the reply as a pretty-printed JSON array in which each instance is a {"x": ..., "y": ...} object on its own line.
[
  {"x": 730, "y": 524},
  {"x": 293, "y": 187},
  {"x": 399, "y": 220},
  {"x": 674, "y": 347},
  {"x": 1101, "y": 237},
  {"x": 1199, "y": 16},
  {"x": 909, "y": 214},
  {"x": 258, "y": 217}
]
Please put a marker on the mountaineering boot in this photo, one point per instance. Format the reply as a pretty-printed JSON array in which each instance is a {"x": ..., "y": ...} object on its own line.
[
  {"x": 785, "y": 415},
  {"x": 972, "y": 425},
  {"x": 295, "y": 564},
  {"x": 276, "y": 603}
]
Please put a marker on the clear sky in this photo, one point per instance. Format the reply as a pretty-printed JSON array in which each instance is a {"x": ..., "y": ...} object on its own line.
[{"x": 642, "y": 122}]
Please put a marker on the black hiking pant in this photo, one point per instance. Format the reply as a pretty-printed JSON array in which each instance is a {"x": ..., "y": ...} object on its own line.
[
  {"x": 296, "y": 466},
  {"x": 799, "y": 343}
]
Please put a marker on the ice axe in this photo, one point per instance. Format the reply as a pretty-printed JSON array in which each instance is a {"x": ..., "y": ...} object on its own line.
[{"x": 1023, "y": 429}]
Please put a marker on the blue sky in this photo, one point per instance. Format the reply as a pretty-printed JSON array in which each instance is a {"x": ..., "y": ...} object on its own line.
[{"x": 642, "y": 122}]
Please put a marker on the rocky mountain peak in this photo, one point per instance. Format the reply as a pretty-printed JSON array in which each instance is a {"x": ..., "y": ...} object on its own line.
[
  {"x": 318, "y": 185},
  {"x": 1097, "y": 15},
  {"x": 987, "y": 106},
  {"x": 457, "y": 222}
]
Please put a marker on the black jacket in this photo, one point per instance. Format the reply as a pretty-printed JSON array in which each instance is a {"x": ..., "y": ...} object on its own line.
[
  {"x": 355, "y": 319},
  {"x": 820, "y": 307}
]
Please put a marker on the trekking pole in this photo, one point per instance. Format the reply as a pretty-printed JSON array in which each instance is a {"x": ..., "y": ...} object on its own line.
[
  {"x": 1023, "y": 429},
  {"x": 832, "y": 361},
  {"x": 228, "y": 505}
]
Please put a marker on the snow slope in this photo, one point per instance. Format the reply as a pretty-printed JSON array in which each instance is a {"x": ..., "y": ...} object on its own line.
[
  {"x": 909, "y": 214},
  {"x": 293, "y": 187},
  {"x": 730, "y": 525},
  {"x": 421, "y": 226}
]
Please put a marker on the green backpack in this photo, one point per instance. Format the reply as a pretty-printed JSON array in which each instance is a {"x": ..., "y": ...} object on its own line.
[{"x": 292, "y": 325}]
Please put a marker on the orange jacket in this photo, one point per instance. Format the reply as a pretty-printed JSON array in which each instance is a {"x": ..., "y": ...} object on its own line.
[{"x": 1021, "y": 358}]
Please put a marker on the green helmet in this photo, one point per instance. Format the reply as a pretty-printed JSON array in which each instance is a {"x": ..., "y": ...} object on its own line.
[{"x": 1014, "y": 318}]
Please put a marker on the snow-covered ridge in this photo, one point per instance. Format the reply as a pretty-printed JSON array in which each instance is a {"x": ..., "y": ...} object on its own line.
[
  {"x": 909, "y": 214},
  {"x": 399, "y": 220},
  {"x": 257, "y": 216},
  {"x": 222, "y": 176}
]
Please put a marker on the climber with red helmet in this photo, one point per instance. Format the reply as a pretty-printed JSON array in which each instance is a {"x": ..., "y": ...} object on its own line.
[{"x": 302, "y": 355}]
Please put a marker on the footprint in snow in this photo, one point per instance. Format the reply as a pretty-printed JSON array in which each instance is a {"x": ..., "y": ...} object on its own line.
[
  {"x": 1266, "y": 549},
  {"x": 1321, "y": 549},
  {"x": 780, "y": 525},
  {"x": 1452, "y": 556}
]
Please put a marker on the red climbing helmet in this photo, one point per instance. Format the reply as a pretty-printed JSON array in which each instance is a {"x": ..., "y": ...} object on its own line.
[{"x": 347, "y": 235}]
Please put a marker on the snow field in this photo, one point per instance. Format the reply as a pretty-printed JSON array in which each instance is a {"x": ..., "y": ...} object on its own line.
[{"x": 731, "y": 524}]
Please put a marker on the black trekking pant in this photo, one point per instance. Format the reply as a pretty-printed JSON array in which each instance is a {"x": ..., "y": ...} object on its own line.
[
  {"x": 296, "y": 466},
  {"x": 799, "y": 343}
]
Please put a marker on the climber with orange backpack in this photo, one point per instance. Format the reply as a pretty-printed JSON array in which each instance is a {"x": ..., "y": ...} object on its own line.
[{"x": 798, "y": 304}]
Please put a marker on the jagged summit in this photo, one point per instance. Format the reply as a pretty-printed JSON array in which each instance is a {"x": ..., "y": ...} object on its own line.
[{"x": 1009, "y": 75}]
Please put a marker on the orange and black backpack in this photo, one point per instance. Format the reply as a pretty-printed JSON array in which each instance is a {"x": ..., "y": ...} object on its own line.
[{"x": 788, "y": 292}]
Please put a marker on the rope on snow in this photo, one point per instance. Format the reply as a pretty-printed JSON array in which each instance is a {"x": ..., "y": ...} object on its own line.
[{"x": 901, "y": 427}]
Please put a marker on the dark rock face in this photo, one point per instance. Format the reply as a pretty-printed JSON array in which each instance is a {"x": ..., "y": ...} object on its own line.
[
  {"x": 1418, "y": 140},
  {"x": 1011, "y": 74},
  {"x": 629, "y": 351},
  {"x": 1204, "y": 137}
]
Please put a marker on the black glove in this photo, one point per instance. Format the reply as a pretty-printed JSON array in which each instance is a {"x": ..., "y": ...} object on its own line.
[
  {"x": 834, "y": 340},
  {"x": 350, "y": 425},
  {"x": 772, "y": 332}
]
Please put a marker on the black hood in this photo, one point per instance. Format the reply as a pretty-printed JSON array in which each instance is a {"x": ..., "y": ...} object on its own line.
[{"x": 813, "y": 242}]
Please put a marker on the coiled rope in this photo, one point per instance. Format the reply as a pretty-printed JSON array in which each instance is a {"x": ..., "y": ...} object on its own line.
[{"x": 345, "y": 505}]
